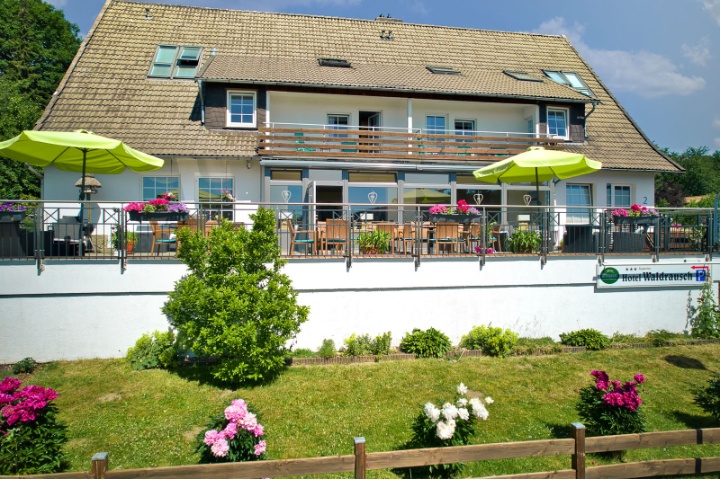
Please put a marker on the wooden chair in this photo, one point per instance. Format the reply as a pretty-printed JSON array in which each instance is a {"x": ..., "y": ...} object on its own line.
[
  {"x": 473, "y": 236},
  {"x": 158, "y": 237},
  {"x": 336, "y": 231},
  {"x": 447, "y": 234},
  {"x": 300, "y": 237},
  {"x": 495, "y": 237},
  {"x": 408, "y": 237}
]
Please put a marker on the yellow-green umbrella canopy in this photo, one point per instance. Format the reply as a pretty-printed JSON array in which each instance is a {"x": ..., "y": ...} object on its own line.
[
  {"x": 78, "y": 151},
  {"x": 537, "y": 165}
]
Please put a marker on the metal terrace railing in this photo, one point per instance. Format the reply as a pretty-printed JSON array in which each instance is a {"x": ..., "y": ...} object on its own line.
[
  {"x": 52, "y": 230},
  {"x": 334, "y": 141}
]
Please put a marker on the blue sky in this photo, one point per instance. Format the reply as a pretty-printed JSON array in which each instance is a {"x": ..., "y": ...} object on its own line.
[{"x": 660, "y": 58}]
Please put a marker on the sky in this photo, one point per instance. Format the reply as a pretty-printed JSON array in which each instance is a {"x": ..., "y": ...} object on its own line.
[{"x": 659, "y": 58}]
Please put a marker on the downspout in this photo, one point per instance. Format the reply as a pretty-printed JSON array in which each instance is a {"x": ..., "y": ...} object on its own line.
[
  {"x": 594, "y": 105},
  {"x": 202, "y": 102}
]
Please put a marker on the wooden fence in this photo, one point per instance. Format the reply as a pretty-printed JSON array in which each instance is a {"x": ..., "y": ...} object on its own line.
[{"x": 575, "y": 447}]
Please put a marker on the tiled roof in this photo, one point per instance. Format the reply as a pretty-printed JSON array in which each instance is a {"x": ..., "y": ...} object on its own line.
[{"x": 107, "y": 90}]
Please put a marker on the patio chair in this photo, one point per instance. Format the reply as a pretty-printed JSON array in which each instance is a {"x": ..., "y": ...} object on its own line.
[
  {"x": 158, "y": 236},
  {"x": 447, "y": 234},
  {"x": 336, "y": 230},
  {"x": 66, "y": 236},
  {"x": 408, "y": 237},
  {"x": 300, "y": 237},
  {"x": 495, "y": 237}
]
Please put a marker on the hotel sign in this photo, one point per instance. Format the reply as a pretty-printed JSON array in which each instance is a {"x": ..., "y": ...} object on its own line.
[{"x": 655, "y": 275}]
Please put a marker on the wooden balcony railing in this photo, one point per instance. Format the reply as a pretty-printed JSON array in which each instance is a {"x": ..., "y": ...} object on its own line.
[{"x": 319, "y": 142}]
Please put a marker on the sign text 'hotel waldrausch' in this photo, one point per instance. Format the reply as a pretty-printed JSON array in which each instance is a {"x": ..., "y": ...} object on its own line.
[{"x": 656, "y": 275}]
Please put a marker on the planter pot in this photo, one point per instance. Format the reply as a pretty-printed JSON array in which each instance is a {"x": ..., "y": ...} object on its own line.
[
  {"x": 628, "y": 242},
  {"x": 459, "y": 218},
  {"x": 159, "y": 216},
  {"x": 12, "y": 216},
  {"x": 634, "y": 220}
]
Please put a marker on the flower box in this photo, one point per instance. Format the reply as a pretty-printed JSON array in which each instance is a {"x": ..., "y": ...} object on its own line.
[
  {"x": 12, "y": 215},
  {"x": 465, "y": 219},
  {"x": 159, "y": 216},
  {"x": 635, "y": 220}
]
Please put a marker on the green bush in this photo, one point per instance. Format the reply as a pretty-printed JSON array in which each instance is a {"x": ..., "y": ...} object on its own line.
[
  {"x": 31, "y": 439},
  {"x": 524, "y": 241},
  {"x": 235, "y": 304},
  {"x": 493, "y": 341},
  {"x": 158, "y": 350},
  {"x": 529, "y": 346},
  {"x": 303, "y": 353},
  {"x": 627, "y": 338},
  {"x": 428, "y": 343},
  {"x": 357, "y": 345},
  {"x": 705, "y": 320},
  {"x": 327, "y": 349},
  {"x": 589, "y": 338},
  {"x": 661, "y": 338},
  {"x": 26, "y": 365},
  {"x": 708, "y": 398},
  {"x": 381, "y": 344}
]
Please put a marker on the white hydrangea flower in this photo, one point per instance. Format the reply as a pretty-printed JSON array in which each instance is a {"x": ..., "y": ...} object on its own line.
[
  {"x": 462, "y": 402},
  {"x": 489, "y": 400},
  {"x": 461, "y": 389},
  {"x": 449, "y": 411},
  {"x": 464, "y": 414},
  {"x": 445, "y": 431},
  {"x": 432, "y": 412},
  {"x": 481, "y": 412}
]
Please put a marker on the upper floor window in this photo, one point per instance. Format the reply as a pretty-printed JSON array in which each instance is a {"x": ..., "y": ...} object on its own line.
[
  {"x": 241, "y": 109},
  {"x": 464, "y": 127},
  {"x": 154, "y": 186},
  {"x": 435, "y": 124},
  {"x": 339, "y": 122},
  {"x": 571, "y": 79},
  {"x": 557, "y": 122},
  {"x": 172, "y": 61}
]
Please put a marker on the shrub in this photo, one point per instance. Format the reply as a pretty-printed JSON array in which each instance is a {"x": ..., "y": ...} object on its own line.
[
  {"x": 234, "y": 436},
  {"x": 235, "y": 304},
  {"x": 31, "y": 439},
  {"x": 428, "y": 343},
  {"x": 611, "y": 407},
  {"x": 356, "y": 345},
  {"x": 381, "y": 344},
  {"x": 492, "y": 341},
  {"x": 303, "y": 353},
  {"x": 661, "y": 338},
  {"x": 327, "y": 349},
  {"x": 26, "y": 365},
  {"x": 453, "y": 424},
  {"x": 626, "y": 338},
  {"x": 708, "y": 398},
  {"x": 524, "y": 241},
  {"x": 589, "y": 338},
  {"x": 705, "y": 320},
  {"x": 543, "y": 345},
  {"x": 154, "y": 351}
]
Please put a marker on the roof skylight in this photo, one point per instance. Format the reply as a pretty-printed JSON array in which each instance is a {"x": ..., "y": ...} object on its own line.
[
  {"x": 334, "y": 62},
  {"x": 172, "y": 61},
  {"x": 570, "y": 79},
  {"x": 441, "y": 70},
  {"x": 522, "y": 76}
]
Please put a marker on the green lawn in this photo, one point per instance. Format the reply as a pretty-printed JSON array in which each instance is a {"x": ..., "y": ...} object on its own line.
[{"x": 151, "y": 418}]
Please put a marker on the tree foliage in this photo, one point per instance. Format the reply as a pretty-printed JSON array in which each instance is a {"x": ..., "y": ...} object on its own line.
[
  {"x": 702, "y": 177},
  {"x": 235, "y": 304},
  {"x": 37, "y": 45}
]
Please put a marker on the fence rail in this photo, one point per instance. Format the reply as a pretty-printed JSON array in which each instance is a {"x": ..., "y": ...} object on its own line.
[{"x": 361, "y": 461}]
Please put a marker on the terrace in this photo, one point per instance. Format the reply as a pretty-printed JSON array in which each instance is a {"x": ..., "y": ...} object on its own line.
[{"x": 47, "y": 231}]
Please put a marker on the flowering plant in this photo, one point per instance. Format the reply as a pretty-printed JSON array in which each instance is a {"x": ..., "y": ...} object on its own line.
[
  {"x": 28, "y": 426},
  {"x": 235, "y": 436},
  {"x": 635, "y": 212},
  {"x": 12, "y": 207},
  {"x": 160, "y": 204},
  {"x": 228, "y": 196},
  {"x": 452, "y": 424},
  {"x": 462, "y": 208},
  {"x": 612, "y": 407}
]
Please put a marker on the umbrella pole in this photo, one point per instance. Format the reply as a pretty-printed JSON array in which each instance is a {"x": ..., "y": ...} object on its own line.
[{"x": 82, "y": 205}]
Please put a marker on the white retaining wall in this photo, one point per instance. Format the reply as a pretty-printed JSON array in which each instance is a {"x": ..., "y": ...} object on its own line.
[{"x": 76, "y": 310}]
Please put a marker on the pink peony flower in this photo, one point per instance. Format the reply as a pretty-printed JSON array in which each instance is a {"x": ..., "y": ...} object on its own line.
[
  {"x": 249, "y": 422},
  {"x": 639, "y": 378},
  {"x": 211, "y": 436},
  {"x": 230, "y": 430},
  {"x": 236, "y": 411},
  {"x": 220, "y": 448},
  {"x": 260, "y": 447},
  {"x": 259, "y": 430}
]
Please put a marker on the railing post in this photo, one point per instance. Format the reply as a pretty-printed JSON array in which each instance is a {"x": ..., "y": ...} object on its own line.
[
  {"x": 360, "y": 459},
  {"x": 578, "y": 458},
  {"x": 99, "y": 465}
]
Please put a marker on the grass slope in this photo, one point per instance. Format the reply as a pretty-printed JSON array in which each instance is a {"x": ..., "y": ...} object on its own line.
[{"x": 151, "y": 418}]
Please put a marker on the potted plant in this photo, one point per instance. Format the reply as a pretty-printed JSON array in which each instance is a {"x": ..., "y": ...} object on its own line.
[
  {"x": 161, "y": 208},
  {"x": 524, "y": 241},
  {"x": 12, "y": 212},
  {"x": 131, "y": 239},
  {"x": 376, "y": 241},
  {"x": 637, "y": 215}
]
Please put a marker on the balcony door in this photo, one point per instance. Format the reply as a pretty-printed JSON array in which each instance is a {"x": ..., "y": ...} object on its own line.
[{"x": 368, "y": 121}]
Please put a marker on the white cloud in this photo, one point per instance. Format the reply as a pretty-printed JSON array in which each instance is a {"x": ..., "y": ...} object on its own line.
[
  {"x": 713, "y": 6},
  {"x": 698, "y": 54},
  {"x": 646, "y": 74}
]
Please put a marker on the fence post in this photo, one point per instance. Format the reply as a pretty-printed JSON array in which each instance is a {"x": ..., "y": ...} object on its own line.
[
  {"x": 360, "y": 459},
  {"x": 99, "y": 465},
  {"x": 578, "y": 458}
]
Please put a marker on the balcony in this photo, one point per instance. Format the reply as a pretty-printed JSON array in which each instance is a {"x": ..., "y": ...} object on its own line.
[
  {"x": 379, "y": 143},
  {"x": 51, "y": 230}
]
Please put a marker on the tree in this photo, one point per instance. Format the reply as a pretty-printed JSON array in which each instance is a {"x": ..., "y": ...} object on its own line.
[
  {"x": 37, "y": 45},
  {"x": 702, "y": 176},
  {"x": 235, "y": 305}
]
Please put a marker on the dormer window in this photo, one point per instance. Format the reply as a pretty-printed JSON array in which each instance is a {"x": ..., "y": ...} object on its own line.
[
  {"x": 441, "y": 70},
  {"x": 570, "y": 79},
  {"x": 334, "y": 62},
  {"x": 241, "y": 109},
  {"x": 172, "y": 61}
]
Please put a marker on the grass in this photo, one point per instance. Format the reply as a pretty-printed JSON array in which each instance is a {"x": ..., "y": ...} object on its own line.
[{"x": 151, "y": 418}]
